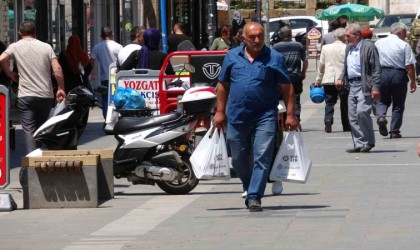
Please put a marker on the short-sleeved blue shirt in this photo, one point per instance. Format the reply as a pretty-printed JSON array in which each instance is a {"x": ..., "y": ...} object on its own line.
[{"x": 253, "y": 86}]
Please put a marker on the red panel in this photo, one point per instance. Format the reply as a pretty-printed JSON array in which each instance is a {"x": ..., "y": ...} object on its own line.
[{"x": 3, "y": 141}]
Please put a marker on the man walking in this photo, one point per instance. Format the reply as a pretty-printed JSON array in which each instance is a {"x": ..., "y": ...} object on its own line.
[
  {"x": 137, "y": 42},
  {"x": 105, "y": 52},
  {"x": 296, "y": 63},
  {"x": 331, "y": 65},
  {"x": 251, "y": 75},
  {"x": 34, "y": 60},
  {"x": 177, "y": 37},
  {"x": 397, "y": 60},
  {"x": 361, "y": 73}
]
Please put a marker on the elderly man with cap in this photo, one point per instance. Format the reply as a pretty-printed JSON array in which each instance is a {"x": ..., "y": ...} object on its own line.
[{"x": 361, "y": 73}]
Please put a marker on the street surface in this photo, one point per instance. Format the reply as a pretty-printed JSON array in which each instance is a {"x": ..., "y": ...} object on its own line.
[{"x": 351, "y": 201}]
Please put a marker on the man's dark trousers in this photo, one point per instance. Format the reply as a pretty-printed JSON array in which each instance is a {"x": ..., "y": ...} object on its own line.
[
  {"x": 33, "y": 112},
  {"x": 298, "y": 89},
  {"x": 393, "y": 90},
  {"x": 331, "y": 97}
]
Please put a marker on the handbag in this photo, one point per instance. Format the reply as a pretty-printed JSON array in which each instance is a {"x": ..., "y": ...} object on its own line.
[
  {"x": 210, "y": 159},
  {"x": 292, "y": 163}
]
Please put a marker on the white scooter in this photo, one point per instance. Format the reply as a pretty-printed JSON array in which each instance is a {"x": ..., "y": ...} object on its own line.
[{"x": 151, "y": 150}]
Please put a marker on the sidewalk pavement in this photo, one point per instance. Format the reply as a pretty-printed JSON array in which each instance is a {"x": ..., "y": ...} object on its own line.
[{"x": 351, "y": 201}]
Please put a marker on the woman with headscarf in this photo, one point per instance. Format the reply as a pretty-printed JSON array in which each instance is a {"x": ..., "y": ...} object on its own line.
[
  {"x": 71, "y": 60},
  {"x": 237, "y": 22},
  {"x": 149, "y": 56}
]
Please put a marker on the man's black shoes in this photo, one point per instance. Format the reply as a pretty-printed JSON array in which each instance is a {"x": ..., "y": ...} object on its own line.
[
  {"x": 328, "y": 128},
  {"x": 253, "y": 205},
  {"x": 353, "y": 150},
  {"x": 364, "y": 149},
  {"x": 394, "y": 135},
  {"x": 382, "y": 126}
]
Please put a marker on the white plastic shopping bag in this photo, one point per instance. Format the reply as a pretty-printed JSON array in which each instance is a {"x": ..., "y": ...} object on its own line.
[
  {"x": 210, "y": 160},
  {"x": 292, "y": 163}
]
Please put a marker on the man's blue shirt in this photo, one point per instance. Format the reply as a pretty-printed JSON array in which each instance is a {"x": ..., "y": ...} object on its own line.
[{"x": 253, "y": 86}]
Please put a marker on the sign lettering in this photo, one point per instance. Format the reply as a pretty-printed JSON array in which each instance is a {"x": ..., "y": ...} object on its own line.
[{"x": 148, "y": 88}]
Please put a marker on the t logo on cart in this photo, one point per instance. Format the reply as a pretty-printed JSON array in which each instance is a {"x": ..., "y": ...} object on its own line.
[{"x": 211, "y": 70}]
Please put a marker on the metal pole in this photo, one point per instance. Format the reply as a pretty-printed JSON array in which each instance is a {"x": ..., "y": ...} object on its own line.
[
  {"x": 211, "y": 21},
  {"x": 259, "y": 11},
  {"x": 387, "y": 7},
  {"x": 163, "y": 25},
  {"x": 267, "y": 24}
]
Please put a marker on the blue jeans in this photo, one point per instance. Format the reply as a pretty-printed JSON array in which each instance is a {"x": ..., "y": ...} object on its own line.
[{"x": 251, "y": 159}]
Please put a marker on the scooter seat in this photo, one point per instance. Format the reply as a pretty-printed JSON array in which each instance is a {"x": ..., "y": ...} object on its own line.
[{"x": 130, "y": 124}]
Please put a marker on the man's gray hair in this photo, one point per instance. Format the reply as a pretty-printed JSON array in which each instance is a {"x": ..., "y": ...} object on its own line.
[
  {"x": 355, "y": 27},
  {"x": 398, "y": 27},
  {"x": 339, "y": 33},
  {"x": 285, "y": 33}
]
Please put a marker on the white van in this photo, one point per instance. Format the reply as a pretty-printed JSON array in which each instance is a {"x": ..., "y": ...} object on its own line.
[{"x": 298, "y": 24}]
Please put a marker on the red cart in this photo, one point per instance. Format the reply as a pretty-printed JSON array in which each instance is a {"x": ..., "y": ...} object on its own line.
[{"x": 207, "y": 66}]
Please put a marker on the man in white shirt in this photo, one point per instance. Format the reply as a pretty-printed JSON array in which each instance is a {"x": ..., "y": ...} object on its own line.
[
  {"x": 137, "y": 42},
  {"x": 105, "y": 52},
  {"x": 397, "y": 61},
  {"x": 330, "y": 67}
]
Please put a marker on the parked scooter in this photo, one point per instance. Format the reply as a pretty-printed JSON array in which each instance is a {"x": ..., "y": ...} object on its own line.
[
  {"x": 64, "y": 129},
  {"x": 151, "y": 150}
]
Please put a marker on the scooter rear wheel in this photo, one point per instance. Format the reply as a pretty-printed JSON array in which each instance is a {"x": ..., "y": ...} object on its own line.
[{"x": 183, "y": 186}]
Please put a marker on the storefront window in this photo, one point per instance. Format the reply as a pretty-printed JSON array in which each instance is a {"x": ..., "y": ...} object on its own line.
[{"x": 61, "y": 24}]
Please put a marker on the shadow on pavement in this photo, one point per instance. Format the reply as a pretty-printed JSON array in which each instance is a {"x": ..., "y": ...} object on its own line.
[
  {"x": 291, "y": 194},
  {"x": 373, "y": 151},
  {"x": 272, "y": 208}
]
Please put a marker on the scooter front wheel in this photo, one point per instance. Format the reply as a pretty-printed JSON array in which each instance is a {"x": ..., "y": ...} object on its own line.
[{"x": 184, "y": 185}]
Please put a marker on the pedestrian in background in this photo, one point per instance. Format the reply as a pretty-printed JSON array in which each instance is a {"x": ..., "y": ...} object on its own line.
[
  {"x": 149, "y": 56},
  {"x": 34, "y": 60},
  {"x": 361, "y": 73},
  {"x": 397, "y": 61},
  {"x": 329, "y": 38},
  {"x": 237, "y": 22},
  {"x": 71, "y": 60},
  {"x": 263, "y": 17},
  {"x": 239, "y": 37},
  {"x": 106, "y": 53},
  {"x": 137, "y": 41},
  {"x": 247, "y": 99},
  {"x": 225, "y": 41},
  {"x": 177, "y": 37},
  {"x": 343, "y": 21},
  {"x": 367, "y": 34},
  {"x": 331, "y": 65}
]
